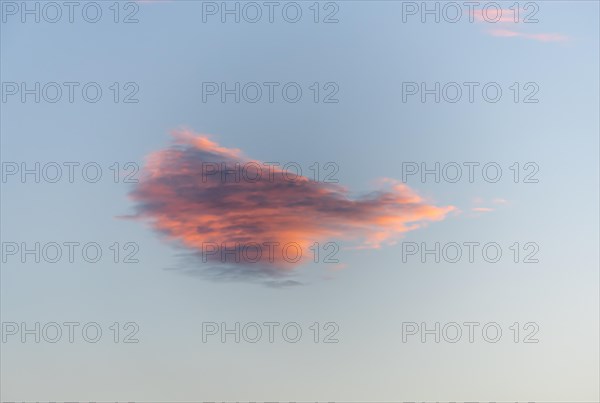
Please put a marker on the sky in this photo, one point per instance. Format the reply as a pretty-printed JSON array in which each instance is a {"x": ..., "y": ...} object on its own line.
[{"x": 163, "y": 163}]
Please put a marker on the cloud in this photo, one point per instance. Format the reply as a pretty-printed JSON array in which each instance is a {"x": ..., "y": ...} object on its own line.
[
  {"x": 482, "y": 209},
  {"x": 496, "y": 16},
  {"x": 505, "y": 20},
  {"x": 545, "y": 37},
  {"x": 238, "y": 215}
]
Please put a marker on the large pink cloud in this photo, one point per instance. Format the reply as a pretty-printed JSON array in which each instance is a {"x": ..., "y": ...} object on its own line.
[{"x": 187, "y": 194}]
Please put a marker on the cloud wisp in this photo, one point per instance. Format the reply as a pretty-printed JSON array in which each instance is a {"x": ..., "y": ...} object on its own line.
[
  {"x": 246, "y": 218},
  {"x": 545, "y": 37},
  {"x": 506, "y": 21}
]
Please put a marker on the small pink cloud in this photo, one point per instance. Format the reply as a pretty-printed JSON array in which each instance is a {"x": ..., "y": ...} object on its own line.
[
  {"x": 480, "y": 204},
  {"x": 505, "y": 20},
  {"x": 483, "y": 209},
  {"x": 499, "y": 16},
  {"x": 546, "y": 37}
]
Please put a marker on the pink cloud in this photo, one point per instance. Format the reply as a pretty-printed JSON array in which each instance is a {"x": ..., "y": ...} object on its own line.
[
  {"x": 545, "y": 37},
  {"x": 500, "y": 16},
  {"x": 505, "y": 20},
  {"x": 481, "y": 202},
  {"x": 188, "y": 193},
  {"x": 483, "y": 209}
]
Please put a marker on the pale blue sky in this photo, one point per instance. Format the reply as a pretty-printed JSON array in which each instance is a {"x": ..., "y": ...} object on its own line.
[{"x": 369, "y": 133}]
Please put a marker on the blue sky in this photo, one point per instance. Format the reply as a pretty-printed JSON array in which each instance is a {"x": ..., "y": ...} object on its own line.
[{"x": 369, "y": 133}]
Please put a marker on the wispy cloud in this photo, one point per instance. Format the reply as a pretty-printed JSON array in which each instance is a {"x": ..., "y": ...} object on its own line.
[
  {"x": 188, "y": 193},
  {"x": 544, "y": 37},
  {"x": 507, "y": 24},
  {"x": 503, "y": 15},
  {"x": 479, "y": 201}
]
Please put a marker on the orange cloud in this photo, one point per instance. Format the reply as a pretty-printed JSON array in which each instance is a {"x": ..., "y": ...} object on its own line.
[{"x": 197, "y": 193}]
